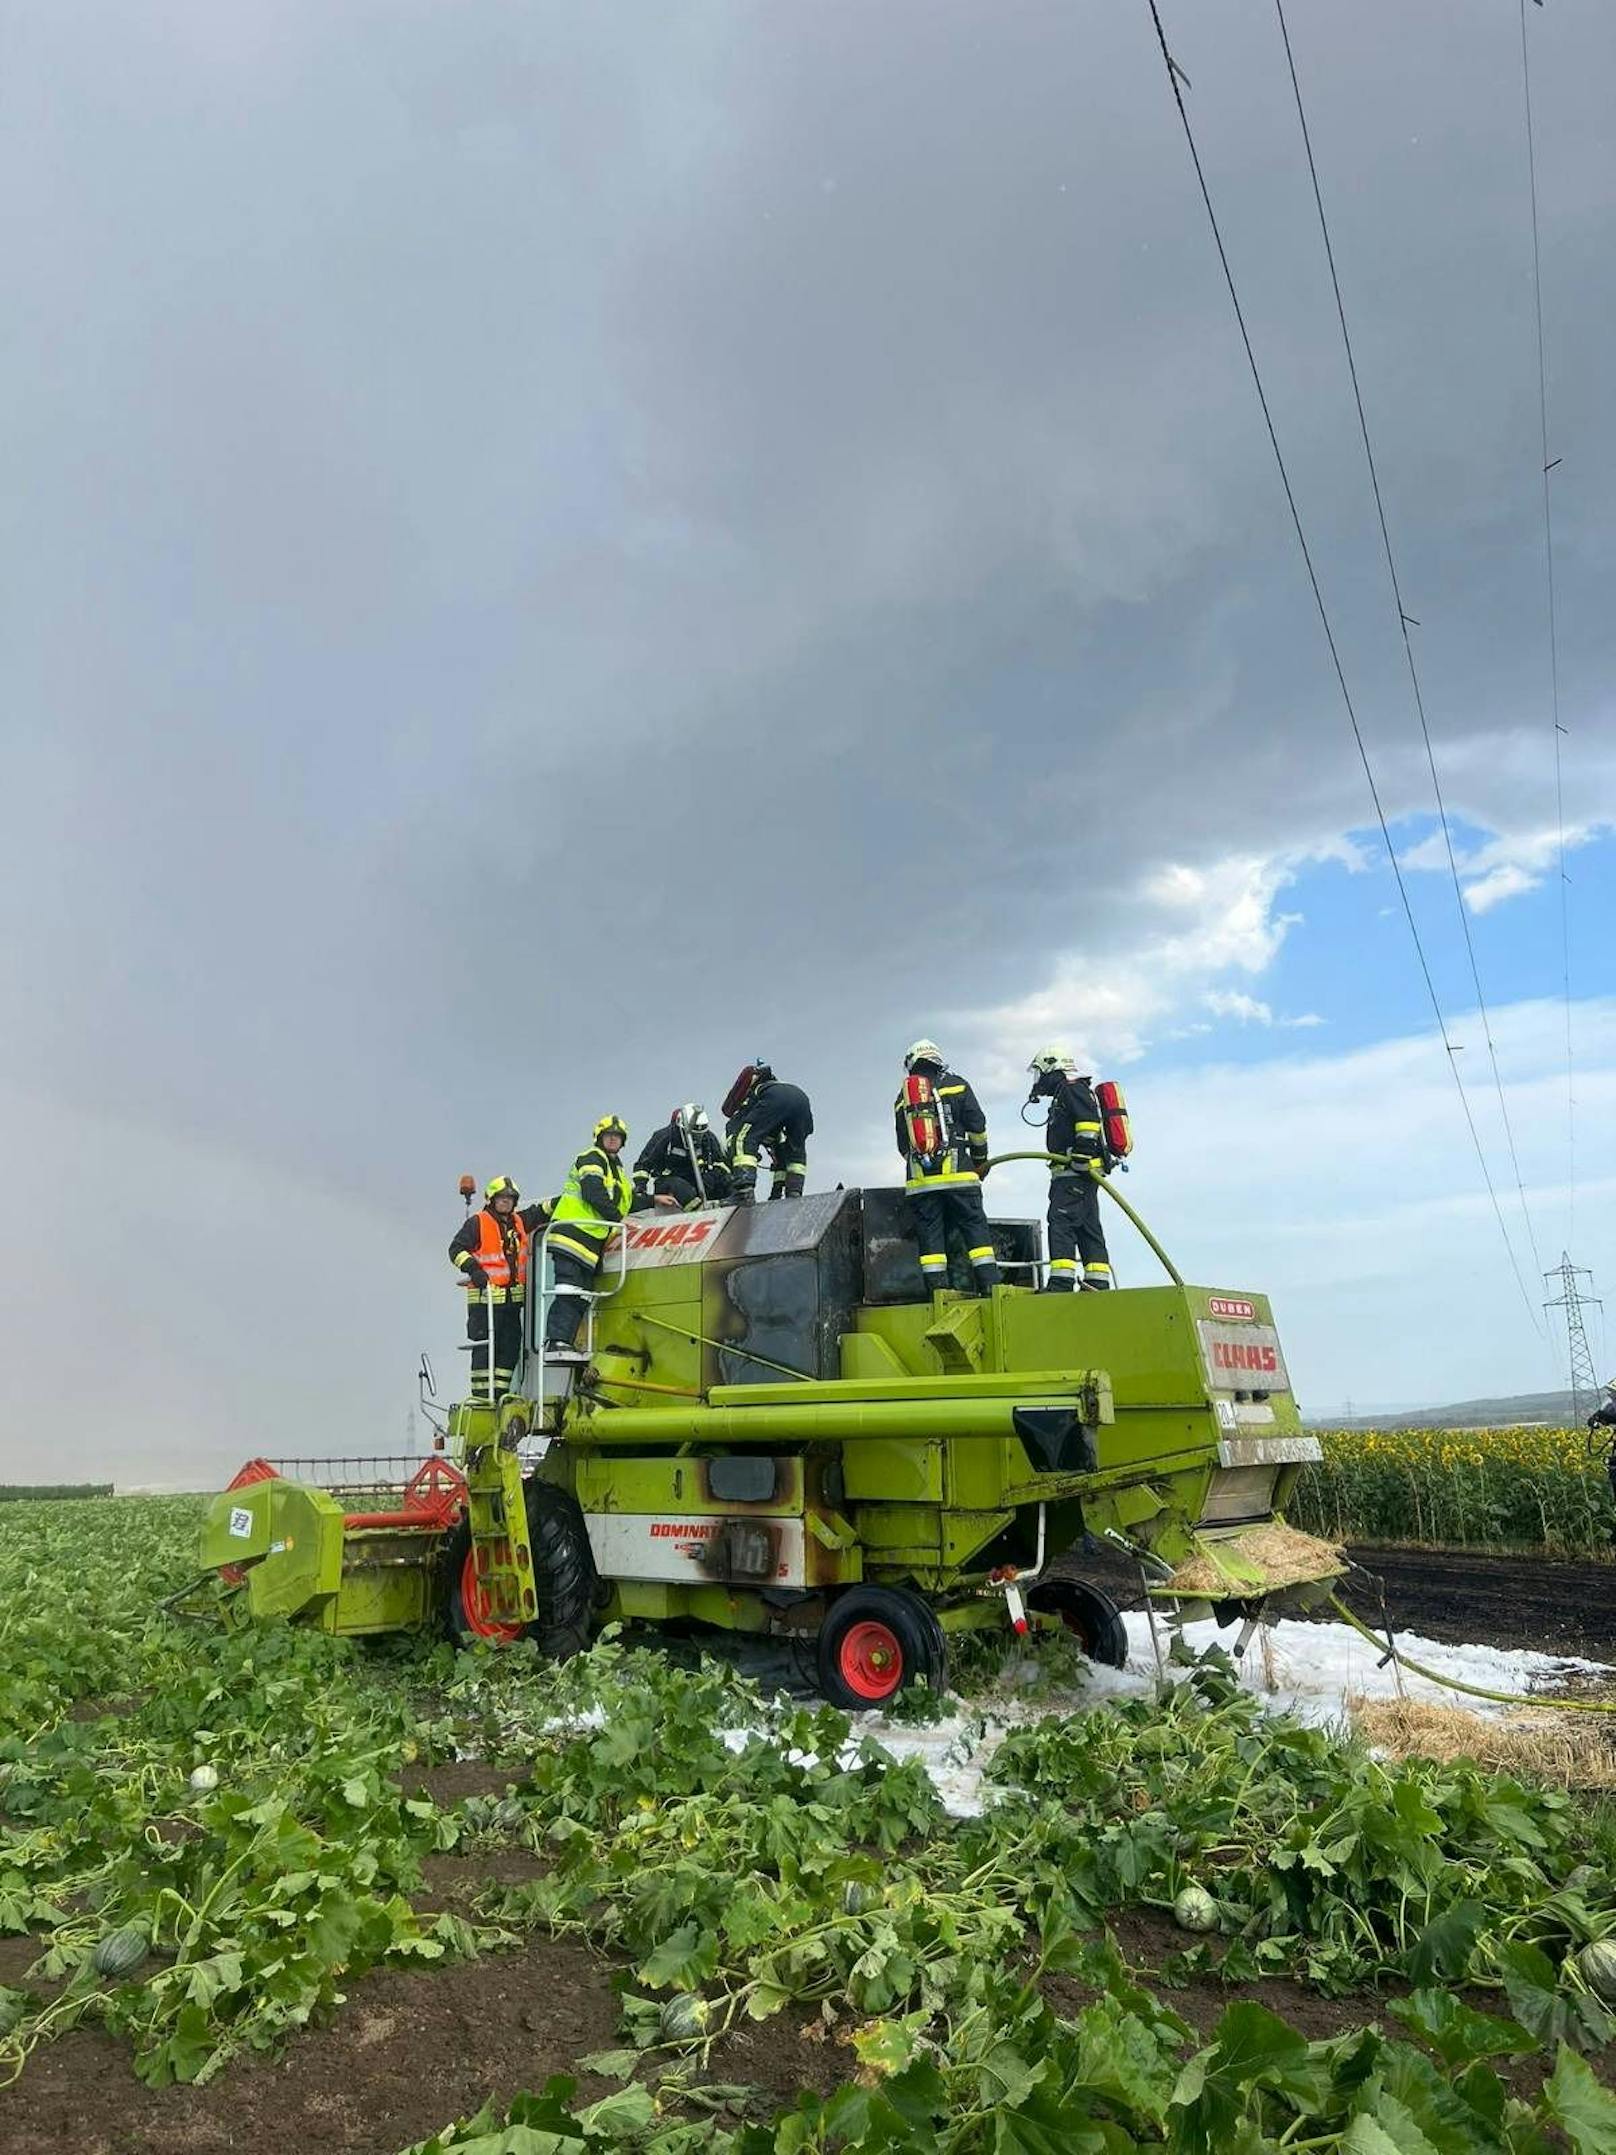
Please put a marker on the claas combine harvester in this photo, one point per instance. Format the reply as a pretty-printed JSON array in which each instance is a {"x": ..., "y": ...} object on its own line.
[{"x": 779, "y": 1430}]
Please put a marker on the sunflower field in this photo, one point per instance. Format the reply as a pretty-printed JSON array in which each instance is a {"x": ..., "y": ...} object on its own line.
[{"x": 1521, "y": 1488}]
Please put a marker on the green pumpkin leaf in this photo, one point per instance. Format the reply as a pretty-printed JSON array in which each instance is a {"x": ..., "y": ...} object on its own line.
[
  {"x": 618, "y": 2116},
  {"x": 1584, "y": 2110},
  {"x": 1456, "y": 2031}
]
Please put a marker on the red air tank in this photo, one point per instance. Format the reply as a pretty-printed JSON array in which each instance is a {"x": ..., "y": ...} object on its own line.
[
  {"x": 923, "y": 1117},
  {"x": 1114, "y": 1118}
]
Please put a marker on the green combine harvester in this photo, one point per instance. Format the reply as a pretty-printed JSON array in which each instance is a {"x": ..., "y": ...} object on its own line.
[{"x": 780, "y": 1431}]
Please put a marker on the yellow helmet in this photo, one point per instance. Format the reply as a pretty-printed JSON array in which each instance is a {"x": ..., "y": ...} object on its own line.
[
  {"x": 606, "y": 1125},
  {"x": 501, "y": 1186}
]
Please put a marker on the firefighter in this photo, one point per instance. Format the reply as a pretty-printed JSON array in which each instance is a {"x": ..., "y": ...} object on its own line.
[
  {"x": 1603, "y": 1418},
  {"x": 682, "y": 1163},
  {"x": 943, "y": 1137},
  {"x": 490, "y": 1252},
  {"x": 598, "y": 1194},
  {"x": 1076, "y": 1132},
  {"x": 765, "y": 1114}
]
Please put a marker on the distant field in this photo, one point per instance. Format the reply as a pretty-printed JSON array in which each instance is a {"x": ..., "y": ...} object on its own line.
[{"x": 1514, "y": 1488}]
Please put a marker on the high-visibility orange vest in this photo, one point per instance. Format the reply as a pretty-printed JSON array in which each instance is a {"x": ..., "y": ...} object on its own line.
[{"x": 491, "y": 1250}]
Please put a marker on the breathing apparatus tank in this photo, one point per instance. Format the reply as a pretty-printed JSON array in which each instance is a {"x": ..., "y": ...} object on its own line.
[
  {"x": 1114, "y": 1123},
  {"x": 923, "y": 1117}
]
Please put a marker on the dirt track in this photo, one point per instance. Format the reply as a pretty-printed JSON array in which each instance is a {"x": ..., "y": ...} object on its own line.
[
  {"x": 1539, "y": 1602},
  {"x": 1543, "y": 1603}
]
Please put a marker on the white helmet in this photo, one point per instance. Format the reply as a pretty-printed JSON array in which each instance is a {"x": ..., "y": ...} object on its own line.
[
  {"x": 1048, "y": 1060},
  {"x": 924, "y": 1051},
  {"x": 692, "y": 1116}
]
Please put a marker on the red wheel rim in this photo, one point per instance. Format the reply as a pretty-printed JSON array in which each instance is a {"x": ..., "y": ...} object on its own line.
[
  {"x": 870, "y": 1660},
  {"x": 474, "y": 1606}
]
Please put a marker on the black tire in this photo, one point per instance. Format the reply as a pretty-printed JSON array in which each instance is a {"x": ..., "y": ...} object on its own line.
[
  {"x": 563, "y": 1573},
  {"x": 1091, "y": 1616},
  {"x": 873, "y": 1642}
]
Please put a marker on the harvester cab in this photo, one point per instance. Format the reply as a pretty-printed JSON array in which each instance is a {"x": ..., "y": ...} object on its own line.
[{"x": 779, "y": 1430}]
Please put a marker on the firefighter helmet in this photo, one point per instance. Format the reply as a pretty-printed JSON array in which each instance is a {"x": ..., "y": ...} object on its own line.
[
  {"x": 692, "y": 1116},
  {"x": 501, "y": 1186},
  {"x": 606, "y": 1125},
  {"x": 1048, "y": 1060},
  {"x": 923, "y": 1051}
]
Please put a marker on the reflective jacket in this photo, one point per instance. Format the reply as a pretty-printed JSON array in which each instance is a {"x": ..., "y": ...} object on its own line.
[
  {"x": 1074, "y": 1128},
  {"x": 598, "y": 1193},
  {"x": 491, "y": 1252},
  {"x": 965, "y": 1136}
]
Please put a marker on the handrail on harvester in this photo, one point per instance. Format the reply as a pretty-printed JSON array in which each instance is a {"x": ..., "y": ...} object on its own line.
[
  {"x": 540, "y": 1293},
  {"x": 1061, "y": 1159}
]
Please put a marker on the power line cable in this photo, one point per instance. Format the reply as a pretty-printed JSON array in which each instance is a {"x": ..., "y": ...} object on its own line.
[
  {"x": 1554, "y": 641},
  {"x": 1175, "y": 76},
  {"x": 1404, "y": 620}
]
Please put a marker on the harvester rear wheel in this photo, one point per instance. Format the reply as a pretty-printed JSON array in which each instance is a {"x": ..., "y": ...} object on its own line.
[
  {"x": 563, "y": 1572},
  {"x": 1092, "y": 1618},
  {"x": 874, "y": 1641}
]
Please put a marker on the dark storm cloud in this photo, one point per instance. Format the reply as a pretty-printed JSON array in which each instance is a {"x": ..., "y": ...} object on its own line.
[{"x": 552, "y": 549}]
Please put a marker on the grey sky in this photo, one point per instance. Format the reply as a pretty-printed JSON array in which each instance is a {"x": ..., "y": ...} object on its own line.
[{"x": 549, "y": 549}]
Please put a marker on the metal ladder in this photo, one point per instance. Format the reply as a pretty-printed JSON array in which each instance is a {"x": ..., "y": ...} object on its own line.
[
  {"x": 548, "y": 1383},
  {"x": 496, "y": 1498}
]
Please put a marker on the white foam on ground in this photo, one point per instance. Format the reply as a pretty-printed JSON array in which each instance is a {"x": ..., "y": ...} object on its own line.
[{"x": 1304, "y": 1669}]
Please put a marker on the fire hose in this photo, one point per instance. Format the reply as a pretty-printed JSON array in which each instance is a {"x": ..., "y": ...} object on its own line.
[
  {"x": 1061, "y": 1159},
  {"x": 1389, "y": 1652}
]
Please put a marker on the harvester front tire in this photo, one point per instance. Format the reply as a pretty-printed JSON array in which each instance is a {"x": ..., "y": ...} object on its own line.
[
  {"x": 1092, "y": 1617},
  {"x": 563, "y": 1573},
  {"x": 874, "y": 1641},
  {"x": 563, "y": 1570}
]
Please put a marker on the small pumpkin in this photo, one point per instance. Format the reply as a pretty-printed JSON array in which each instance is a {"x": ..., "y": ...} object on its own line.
[
  {"x": 855, "y": 1897},
  {"x": 204, "y": 1779},
  {"x": 1195, "y": 1910},
  {"x": 120, "y": 1953},
  {"x": 684, "y": 2017},
  {"x": 1596, "y": 1964}
]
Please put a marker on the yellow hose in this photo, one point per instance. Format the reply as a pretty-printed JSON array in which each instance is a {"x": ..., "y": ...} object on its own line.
[
  {"x": 1452, "y": 1683},
  {"x": 1057, "y": 1159}
]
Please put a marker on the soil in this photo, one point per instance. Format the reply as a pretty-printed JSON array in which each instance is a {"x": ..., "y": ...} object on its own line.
[
  {"x": 454, "y": 1881},
  {"x": 17, "y": 1956},
  {"x": 408, "y": 2052},
  {"x": 1548, "y": 1605},
  {"x": 458, "y": 1778}
]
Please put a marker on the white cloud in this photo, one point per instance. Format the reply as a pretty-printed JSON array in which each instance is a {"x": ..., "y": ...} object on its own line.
[
  {"x": 1344, "y": 1186},
  {"x": 1250, "y": 1010},
  {"x": 1497, "y": 885},
  {"x": 1234, "y": 1003},
  {"x": 1196, "y": 926},
  {"x": 1507, "y": 865}
]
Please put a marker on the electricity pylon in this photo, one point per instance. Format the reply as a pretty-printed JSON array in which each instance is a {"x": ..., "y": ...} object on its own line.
[{"x": 1572, "y": 1299}]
